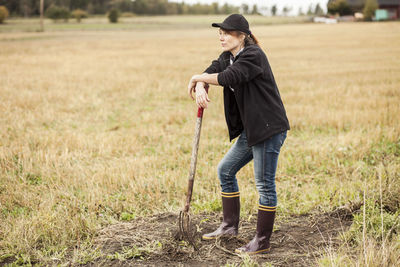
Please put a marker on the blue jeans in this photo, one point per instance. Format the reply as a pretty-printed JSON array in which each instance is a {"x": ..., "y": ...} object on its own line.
[{"x": 265, "y": 156}]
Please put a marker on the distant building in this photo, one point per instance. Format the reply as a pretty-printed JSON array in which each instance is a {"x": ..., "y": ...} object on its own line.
[{"x": 392, "y": 6}]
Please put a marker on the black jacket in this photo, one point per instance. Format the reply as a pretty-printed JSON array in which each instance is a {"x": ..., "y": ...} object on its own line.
[{"x": 255, "y": 105}]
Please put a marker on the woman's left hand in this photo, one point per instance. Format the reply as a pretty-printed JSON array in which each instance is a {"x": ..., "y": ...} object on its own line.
[{"x": 202, "y": 95}]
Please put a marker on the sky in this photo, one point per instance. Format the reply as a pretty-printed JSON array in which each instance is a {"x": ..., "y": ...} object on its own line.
[{"x": 294, "y": 4}]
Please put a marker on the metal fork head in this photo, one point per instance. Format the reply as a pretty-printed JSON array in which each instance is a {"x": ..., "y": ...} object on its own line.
[{"x": 184, "y": 228}]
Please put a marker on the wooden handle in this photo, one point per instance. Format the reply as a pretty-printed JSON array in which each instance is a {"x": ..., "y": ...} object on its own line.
[{"x": 193, "y": 159}]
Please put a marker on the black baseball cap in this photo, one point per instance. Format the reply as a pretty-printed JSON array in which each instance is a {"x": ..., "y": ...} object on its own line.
[{"x": 234, "y": 22}]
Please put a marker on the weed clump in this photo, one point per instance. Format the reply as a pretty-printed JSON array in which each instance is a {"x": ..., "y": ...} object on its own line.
[
  {"x": 3, "y": 13},
  {"x": 377, "y": 224},
  {"x": 79, "y": 14},
  {"x": 113, "y": 15}
]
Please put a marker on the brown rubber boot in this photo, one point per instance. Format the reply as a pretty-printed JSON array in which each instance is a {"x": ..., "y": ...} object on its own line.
[
  {"x": 231, "y": 212},
  {"x": 265, "y": 225}
]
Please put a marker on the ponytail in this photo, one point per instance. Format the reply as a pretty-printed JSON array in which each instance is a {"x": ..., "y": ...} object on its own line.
[
  {"x": 255, "y": 40},
  {"x": 251, "y": 39}
]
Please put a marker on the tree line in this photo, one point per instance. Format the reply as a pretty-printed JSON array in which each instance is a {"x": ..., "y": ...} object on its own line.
[
  {"x": 343, "y": 8},
  {"x": 29, "y": 8}
]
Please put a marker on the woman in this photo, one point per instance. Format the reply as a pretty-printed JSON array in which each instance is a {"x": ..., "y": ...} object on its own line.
[{"x": 254, "y": 112}]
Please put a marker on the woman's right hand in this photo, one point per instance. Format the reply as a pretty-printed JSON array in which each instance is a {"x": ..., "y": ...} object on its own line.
[{"x": 202, "y": 95}]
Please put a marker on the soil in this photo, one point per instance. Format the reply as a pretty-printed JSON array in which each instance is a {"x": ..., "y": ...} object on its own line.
[{"x": 296, "y": 241}]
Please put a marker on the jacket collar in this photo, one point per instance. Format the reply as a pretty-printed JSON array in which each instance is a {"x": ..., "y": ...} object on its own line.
[{"x": 232, "y": 58}]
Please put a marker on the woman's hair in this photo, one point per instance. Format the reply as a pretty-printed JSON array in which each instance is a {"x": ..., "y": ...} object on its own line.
[{"x": 249, "y": 38}]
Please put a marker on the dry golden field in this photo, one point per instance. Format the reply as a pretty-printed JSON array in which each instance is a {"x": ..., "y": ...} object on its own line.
[{"x": 96, "y": 128}]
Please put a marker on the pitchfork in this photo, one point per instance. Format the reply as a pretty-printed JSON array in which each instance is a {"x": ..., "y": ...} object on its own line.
[{"x": 184, "y": 218}]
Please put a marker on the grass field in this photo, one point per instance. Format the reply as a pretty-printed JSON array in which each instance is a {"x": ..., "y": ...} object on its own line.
[{"x": 97, "y": 127}]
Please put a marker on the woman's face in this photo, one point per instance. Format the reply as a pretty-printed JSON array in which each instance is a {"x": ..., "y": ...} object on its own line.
[{"x": 230, "y": 41}]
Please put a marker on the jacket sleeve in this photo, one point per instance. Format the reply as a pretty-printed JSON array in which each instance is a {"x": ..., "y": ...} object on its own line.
[
  {"x": 244, "y": 69},
  {"x": 215, "y": 66}
]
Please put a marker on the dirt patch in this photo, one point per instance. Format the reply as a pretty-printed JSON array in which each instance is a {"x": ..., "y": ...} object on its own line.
[{"x": 297, "y": 241}]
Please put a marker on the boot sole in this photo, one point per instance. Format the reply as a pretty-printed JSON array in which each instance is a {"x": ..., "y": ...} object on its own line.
[
  {"x": 215, "y": 237},
  {"x": 252, "y": 252},
  {"x": 209, "y": 238}
]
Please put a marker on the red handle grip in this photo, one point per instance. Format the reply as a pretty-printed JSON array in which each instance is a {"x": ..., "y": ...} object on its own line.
[{"x": 200, "y": 110}]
